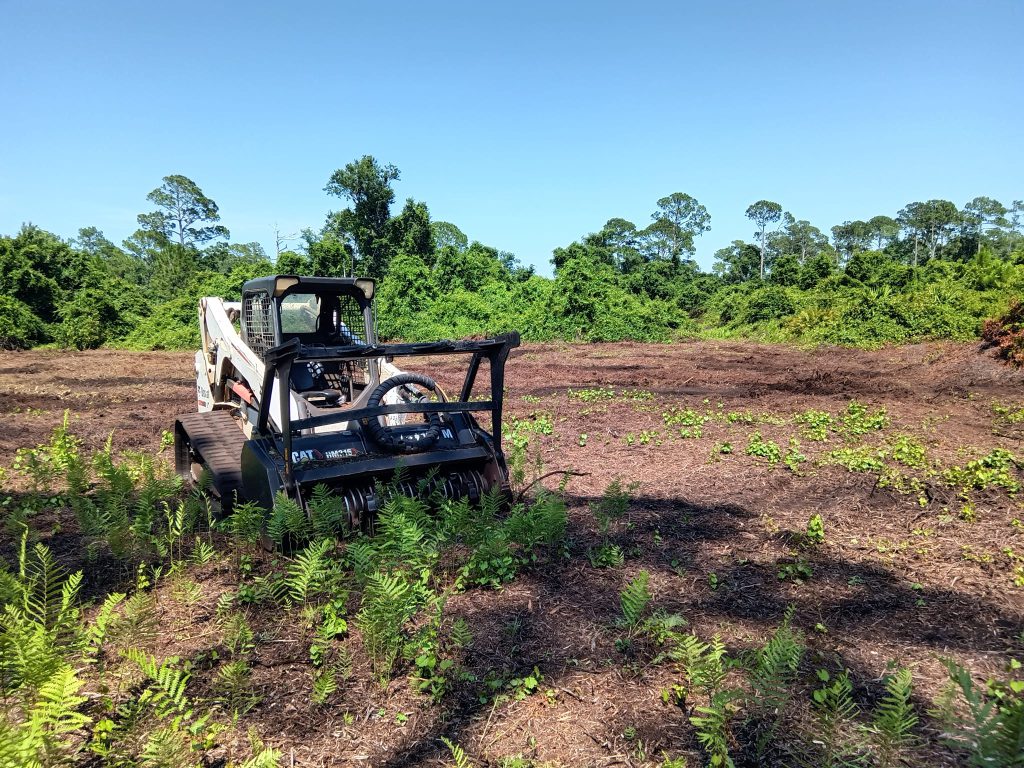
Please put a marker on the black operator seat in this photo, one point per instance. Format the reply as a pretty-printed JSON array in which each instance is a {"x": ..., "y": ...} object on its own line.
[{"x": 308, "y": 378}]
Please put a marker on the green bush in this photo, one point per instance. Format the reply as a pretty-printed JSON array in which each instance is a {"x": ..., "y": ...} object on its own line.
[
  {"x": 19, "y": 328},
  {"x": 769, "y": 303}
]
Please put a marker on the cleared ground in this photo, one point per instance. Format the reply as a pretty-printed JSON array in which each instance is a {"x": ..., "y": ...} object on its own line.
[{"x": 901, "y": 576}]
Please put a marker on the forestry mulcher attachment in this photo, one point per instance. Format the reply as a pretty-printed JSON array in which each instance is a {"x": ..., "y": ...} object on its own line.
[{"x": 295, "y": 391}]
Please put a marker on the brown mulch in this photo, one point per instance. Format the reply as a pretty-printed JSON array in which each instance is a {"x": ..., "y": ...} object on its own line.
[{"x": 895, "y": 581}]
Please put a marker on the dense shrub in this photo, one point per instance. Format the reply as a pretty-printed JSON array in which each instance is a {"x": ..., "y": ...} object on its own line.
[
  {"x": 19, "y": 328},
  {"x": 769, "y": 303}
]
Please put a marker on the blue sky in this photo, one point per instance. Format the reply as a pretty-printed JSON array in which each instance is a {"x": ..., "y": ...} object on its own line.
[{"x": 526, "y": 124}]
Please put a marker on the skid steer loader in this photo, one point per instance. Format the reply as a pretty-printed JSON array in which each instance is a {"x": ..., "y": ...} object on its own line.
[{"x": 293, "y": 390}]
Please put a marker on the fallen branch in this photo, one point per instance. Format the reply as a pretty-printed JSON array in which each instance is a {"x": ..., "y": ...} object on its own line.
[{"x": 564, "y": 472}]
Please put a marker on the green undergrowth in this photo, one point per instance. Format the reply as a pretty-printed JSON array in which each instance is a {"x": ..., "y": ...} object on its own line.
[
  {"x": 91, "y": 683},
  {"x": 81, "y": 682}
]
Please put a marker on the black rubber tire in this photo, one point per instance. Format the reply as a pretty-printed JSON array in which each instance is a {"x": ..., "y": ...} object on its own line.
[{"x": 385, "y": 436}]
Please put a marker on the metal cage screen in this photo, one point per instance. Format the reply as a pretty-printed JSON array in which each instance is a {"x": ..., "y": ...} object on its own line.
[{"x": 258, "y": 325}]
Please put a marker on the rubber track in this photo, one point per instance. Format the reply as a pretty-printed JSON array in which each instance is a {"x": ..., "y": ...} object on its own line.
[{"x": 218, "y": 440}]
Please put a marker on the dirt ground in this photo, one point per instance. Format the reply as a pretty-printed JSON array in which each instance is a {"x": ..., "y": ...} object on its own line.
[{"x": 898, "y": 579}]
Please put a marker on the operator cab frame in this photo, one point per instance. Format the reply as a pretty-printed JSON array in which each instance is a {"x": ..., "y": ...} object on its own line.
[{"x": 315, "y": 311}]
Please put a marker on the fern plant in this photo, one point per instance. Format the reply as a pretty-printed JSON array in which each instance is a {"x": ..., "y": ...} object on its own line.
[
  {"x": 325, "y": 683},
  {"x": 97, "y": 633},
  {"x": 836, "y": 713},
  {"x": 39, "y": 622},
  {"x": 246, "y": 522},
  {"x": 542, "y": 521},
  {"x": 234, "y": 687},
  {"x": 459, "y": 758},
  {"x": 166, "y": 692},
  {"x": 388, "y": 603},
  {"x": 634, "y": 598},
  {"x": 288, "y": 525},
  {"x": 237, "y": 636},
  {"x": 894, "y": 719},
  {"x": 405, "y": 538},
  {"x": 992, "y": 733},
  {"x": 308, "y": 571},
  {"x": 712, "y": 724},
  {"x": 772, "y": 672},
  {"x": 706, "y": 666},
  {"x": 166, "y": 698},
  {"x": 328, "y": 513}
]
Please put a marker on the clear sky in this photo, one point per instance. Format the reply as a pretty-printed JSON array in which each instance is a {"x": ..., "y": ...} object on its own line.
[{"x": 526, "y": 124}]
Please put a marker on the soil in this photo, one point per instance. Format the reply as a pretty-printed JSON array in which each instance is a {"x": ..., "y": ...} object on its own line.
[{"x": 900, "y": 578}]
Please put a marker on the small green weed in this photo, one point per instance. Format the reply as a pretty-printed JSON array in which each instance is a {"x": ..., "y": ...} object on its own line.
[
  {"x": 860, "y": 459},
  {"x": 857, "y": 420},
  {"x": 595, "y": 395},
  {"x": 765, "y": 449},
  {"x": 816, "y": 425}
]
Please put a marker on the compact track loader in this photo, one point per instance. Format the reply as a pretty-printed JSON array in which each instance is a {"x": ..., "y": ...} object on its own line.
[{"x": 294, "y": 390}]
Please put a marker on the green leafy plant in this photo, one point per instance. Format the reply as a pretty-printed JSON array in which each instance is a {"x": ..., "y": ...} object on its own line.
[
  {"x": 794, "y": 458},
  {"x": 894, "y": 718},
  {"x": 233, "y": 687},
  {"x": 992, "y": 733},
  {"x": 459, "y": 759},
  {"x": 765, "y": 449},
  {"x": 797, "y": 569},
  {"x": 814, "y": 534},
  {"x": 388, "y": 602},
  {"x": 908, "y": 452},
  {"x": 815, "y": 425},
  {"x": 633, "y": 600},
  {"x": 308, "y": 571},
  {"x": 592, "y": 395},
  {"x": 773, "y": 670},
  {"x": 835, "y": 712},
  {"x": 858, "y": 420},
  {"x": 860, "y": 459}
]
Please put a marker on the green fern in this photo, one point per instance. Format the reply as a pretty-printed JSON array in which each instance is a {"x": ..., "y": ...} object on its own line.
[
  {"x": 454, "y": 518},
  {"x": 166, "y": 692},
  {"x": 139, "y": 621},
  {"x": 97, "y": 632},
  {"x": 894, "y": 718},
  {"x": 328, "y": 513},
  {"x": 308, "y": 570},
  {"x": 836, "y": 713},
  {"x": 202, "y": 552},
  {"x": 288, "y": 524},
  {"x": 388, "y": 603},
  {"x": 40, "y": 622},
  {"x": 41, "y": 737},
  {"x": 772, "y": 671},
  {"x": 993, "y": 731},
  {"x": 234, "y": 687},
  {"x": 247, "y": 521},
  {"x": 361, "y": 557},
  {"x": 167, "y": 747},
  {"x": 264, "y": 758},
  {"x": 325, "y": 683},
  {"x": 459, "y": 758},
  {"x": 48, "y": 592},
  {"x": 706, "y": 666},
  {"x": 712, "y": 724},
  {"x": 237, "y": 636},
  {"x": 634, "y": 599},
  {"x": 461, "y": 636},
  {"x": 541, "y": 522},
  {"x": 404, "y": 538}
]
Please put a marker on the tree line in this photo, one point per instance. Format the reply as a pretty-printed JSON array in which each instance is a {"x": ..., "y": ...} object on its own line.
[{"x": 934, "y": 270}]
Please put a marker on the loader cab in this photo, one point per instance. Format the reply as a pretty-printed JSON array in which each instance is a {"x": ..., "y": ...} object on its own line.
[
  {"x": 332, "y": 312},
  {"x": 315, "y": 310}
]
